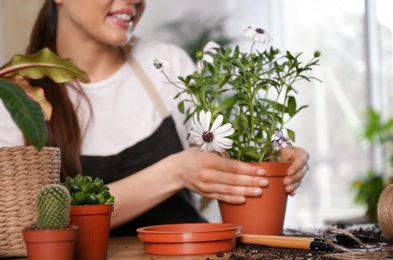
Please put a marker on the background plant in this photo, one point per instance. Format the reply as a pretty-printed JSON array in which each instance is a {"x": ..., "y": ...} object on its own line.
[
  {"x": 368, "y": 189},
  {"x": 254, "y": 91}
]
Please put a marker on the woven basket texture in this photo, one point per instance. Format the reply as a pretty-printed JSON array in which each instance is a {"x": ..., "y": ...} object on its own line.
[{"x": 23, "y": 171}]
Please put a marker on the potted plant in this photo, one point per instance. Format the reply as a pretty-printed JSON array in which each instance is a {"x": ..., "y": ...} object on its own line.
[
  {"x": 91, "y": 207},
  {"x": 254, "y": 93},
  {"x": 51, "y": 237},
  {"x": 35, "y": 164}
]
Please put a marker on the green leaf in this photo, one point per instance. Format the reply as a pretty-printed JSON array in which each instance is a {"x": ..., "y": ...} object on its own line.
[
  {"x": 25, "y": 112},
  {"x": 291, "y": 134},
  {"x": 180, "y": 106},
  {"x": 43, "y": 63},
  {"x": 35, "y": 93},
  {"x": 227, "y": 103},
  {"x": 291, "y": 106}
]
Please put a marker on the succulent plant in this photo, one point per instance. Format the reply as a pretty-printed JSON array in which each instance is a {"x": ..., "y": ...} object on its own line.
[
  {"x": 53, "y": 207},
  {"x": 86, "y": 191}
]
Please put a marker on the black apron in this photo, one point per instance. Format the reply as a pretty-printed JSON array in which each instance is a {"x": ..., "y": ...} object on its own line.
[{"x": 163, "y": 142}]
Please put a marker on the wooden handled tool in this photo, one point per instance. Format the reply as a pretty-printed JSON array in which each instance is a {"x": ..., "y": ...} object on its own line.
[{"x": 305, "y": 243}]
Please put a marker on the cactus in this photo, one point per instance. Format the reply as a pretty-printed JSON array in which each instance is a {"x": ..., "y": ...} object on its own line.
[{"x": 53, "y": 207}]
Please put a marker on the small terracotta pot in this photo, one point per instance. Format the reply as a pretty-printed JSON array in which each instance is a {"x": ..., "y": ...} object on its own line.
[
  {"x": 189, "y": 239},
  {"x": 50, "y": 244},
  {"x": 262, "y": 215},
  {"x": 93, "y": 234}
]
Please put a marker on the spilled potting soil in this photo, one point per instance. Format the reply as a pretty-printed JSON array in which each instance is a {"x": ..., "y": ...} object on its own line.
[{"x": 378, "y": 246}]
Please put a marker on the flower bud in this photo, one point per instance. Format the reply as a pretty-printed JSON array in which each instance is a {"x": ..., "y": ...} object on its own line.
[{"x": 199, "y": 55}]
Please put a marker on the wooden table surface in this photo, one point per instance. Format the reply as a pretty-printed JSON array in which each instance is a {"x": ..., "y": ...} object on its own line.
[{"x": 132, "y": 248}]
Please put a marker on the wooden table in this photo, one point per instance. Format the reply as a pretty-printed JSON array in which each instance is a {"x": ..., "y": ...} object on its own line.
[{"x": 132, "y": 248}]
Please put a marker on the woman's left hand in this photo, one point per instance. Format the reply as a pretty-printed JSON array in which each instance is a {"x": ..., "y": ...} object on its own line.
[{"x": 298, "y": 168}]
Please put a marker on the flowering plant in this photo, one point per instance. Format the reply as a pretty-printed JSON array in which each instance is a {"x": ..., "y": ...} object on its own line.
[{"x": 254, "y": 91}]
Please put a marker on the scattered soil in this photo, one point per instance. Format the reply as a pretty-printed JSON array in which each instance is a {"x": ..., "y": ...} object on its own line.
[{"x": 377, "y": 245}]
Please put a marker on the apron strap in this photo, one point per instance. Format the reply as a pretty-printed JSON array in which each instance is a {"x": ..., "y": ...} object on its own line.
[{"x": 148, "y": 85}]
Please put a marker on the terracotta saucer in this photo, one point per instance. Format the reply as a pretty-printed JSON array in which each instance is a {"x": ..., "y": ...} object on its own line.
[{"x": 189, "y": 239}]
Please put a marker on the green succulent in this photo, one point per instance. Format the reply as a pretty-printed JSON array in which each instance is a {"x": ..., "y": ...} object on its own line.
[
  {"x": 53, "y": 207},
  {"x": 86, "y": 191}
]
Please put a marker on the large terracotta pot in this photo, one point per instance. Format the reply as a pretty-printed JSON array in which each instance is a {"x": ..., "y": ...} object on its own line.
[
  {"x": 50, "y": 244},
  {"x": 262, "y": 215},
  {"x": 93, "y": 234}
]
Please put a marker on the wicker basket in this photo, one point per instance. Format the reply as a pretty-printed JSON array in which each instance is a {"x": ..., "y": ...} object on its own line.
[{"x": 23, "y": 171}]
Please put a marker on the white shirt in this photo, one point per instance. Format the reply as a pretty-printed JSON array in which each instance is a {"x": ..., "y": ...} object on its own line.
[{"x": 123, "y": 113}]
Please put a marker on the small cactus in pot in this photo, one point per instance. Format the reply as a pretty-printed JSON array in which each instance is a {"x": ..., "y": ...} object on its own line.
[
  {"x": 53, "y": 207},
  {"x": 51, "y": 237}
]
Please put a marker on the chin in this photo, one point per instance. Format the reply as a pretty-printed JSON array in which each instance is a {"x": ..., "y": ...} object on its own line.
[{"x": 119, "y": 42}]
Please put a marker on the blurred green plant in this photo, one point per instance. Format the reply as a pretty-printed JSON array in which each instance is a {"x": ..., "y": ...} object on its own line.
[{"x": 369, "y": 188}]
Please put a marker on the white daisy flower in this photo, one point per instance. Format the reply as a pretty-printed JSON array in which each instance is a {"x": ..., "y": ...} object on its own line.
[
  {"x": 214, "y": 138},
  {"x": 257, "y": 34},
  {"x": 207, "y": 53},
  {"x": 279, "y": 141},
  {"x": 161, "y": 65}
]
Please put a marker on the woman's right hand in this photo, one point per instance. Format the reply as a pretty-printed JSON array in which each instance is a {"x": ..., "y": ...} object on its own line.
[{"x": 215, "y": 177}]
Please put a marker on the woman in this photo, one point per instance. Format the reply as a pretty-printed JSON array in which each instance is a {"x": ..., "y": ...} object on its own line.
[{"x": 124, "y": 126}]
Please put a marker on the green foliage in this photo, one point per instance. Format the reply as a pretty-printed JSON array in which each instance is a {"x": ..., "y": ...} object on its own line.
[
  {"x": 53, "y": 207},
  {"x": 369, "y": 188},
  {"x": 25, "y": 112},
  {"x": 26, "y": 103},
  {"x": 376, "y": 131},
  {"x": 86, "y": 191},
  {"x": 253, "y": 91}
]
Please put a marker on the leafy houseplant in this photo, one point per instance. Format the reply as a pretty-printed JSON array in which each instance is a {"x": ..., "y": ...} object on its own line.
[
  {"x": 51, "y": 237},
  {"x": 91, "y": 208},
  {"x": 254, "y": 91},
  {"x": 26, "y": 104}
]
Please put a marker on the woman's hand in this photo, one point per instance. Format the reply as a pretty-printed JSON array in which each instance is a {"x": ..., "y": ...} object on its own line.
[
  {"x": 219, "y": 178},
  {"x": 298, "y": 168},
  {"x": 215, "y": 177}
]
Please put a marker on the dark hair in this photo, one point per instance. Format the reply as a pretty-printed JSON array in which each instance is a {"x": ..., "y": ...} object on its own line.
[{"x": 63, "y": 128}]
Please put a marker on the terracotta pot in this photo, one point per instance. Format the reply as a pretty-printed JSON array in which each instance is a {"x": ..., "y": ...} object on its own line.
[
  {"x": 93, "y": 234},
  {"x": 262, "y": 215},
  {"x": 189, "y": 239},
  {"x": 50, "y": 244}
]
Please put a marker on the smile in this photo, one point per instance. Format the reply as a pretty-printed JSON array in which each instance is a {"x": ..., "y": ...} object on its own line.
[{"x": 123, "y": 17}]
